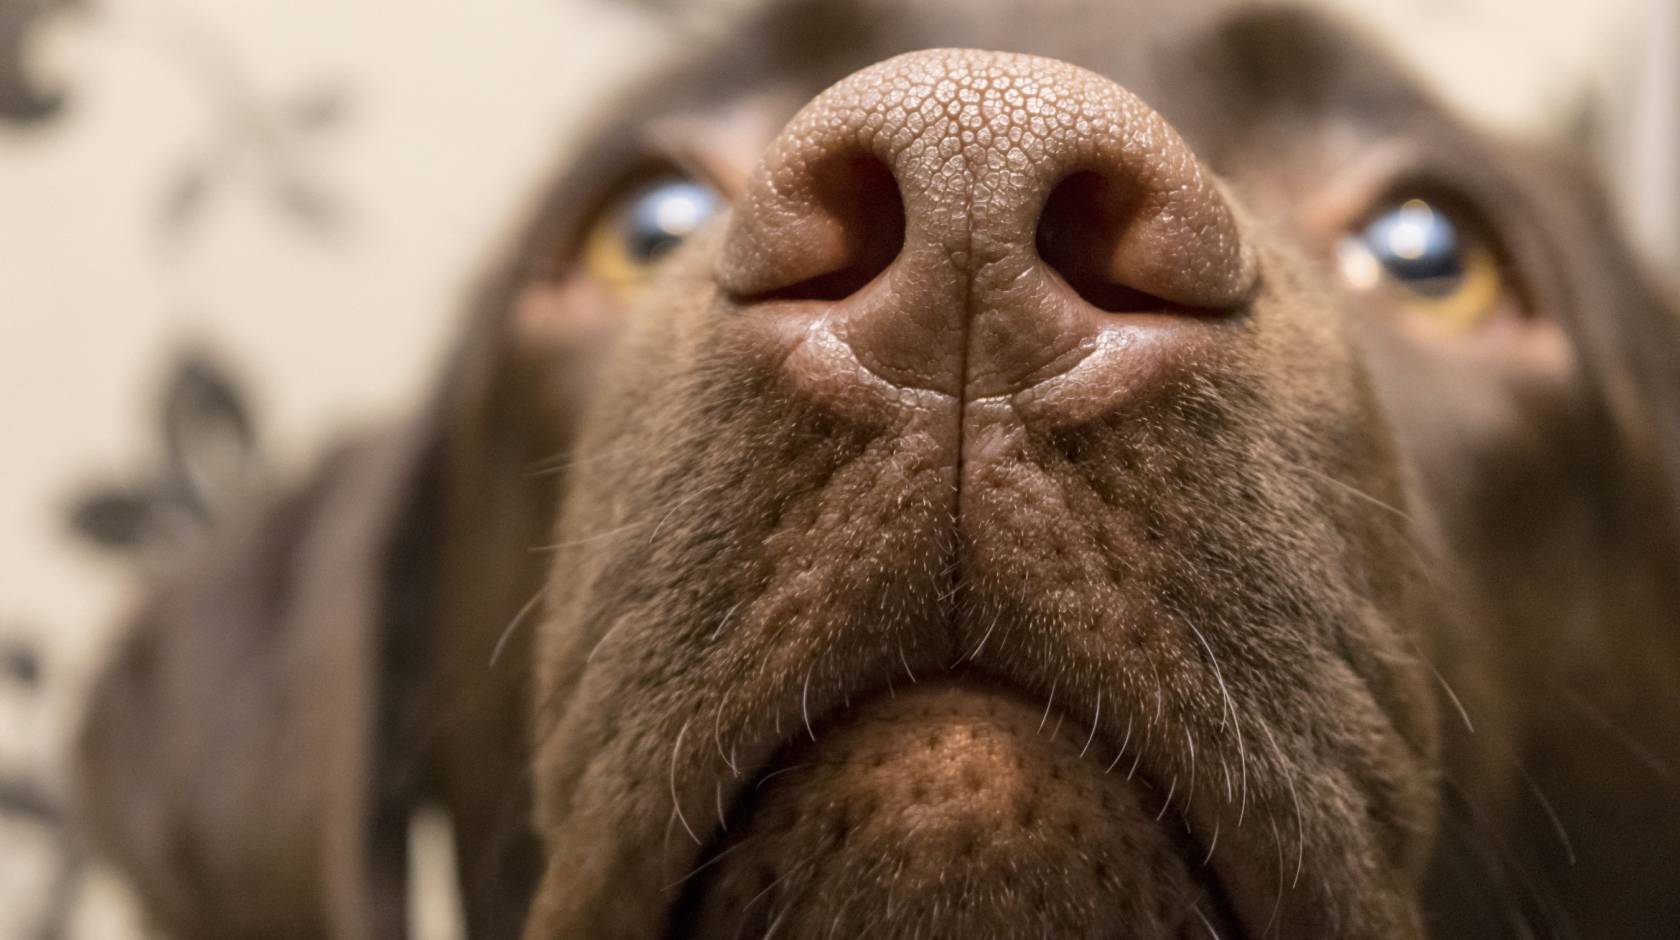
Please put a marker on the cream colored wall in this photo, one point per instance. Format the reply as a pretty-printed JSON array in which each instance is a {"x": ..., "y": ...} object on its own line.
[
  {"x": 1520, "y": 63},
  {"x": 453, "y": 107}
]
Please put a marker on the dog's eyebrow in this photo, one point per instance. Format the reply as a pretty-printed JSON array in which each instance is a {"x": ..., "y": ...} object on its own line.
[
  {"x": 708, "y": 110},
  {"x": 611, "y": 153},
  {"x": 1266, "y": 66},
  {"x": 802, "y": 44},
  {"x": 723, "y": 143},
  {"x": 717, "y": 145}
]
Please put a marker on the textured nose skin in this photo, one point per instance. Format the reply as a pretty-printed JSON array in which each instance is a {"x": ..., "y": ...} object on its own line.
[{"x": 1035, "y": 204}]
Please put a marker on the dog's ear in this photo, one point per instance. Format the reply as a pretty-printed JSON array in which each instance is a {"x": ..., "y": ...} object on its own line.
[
  {"x": 229, "y": 758},
  {"x": 1622, "y": 318},
  {"x": 325, "y": 662},
  {"x": 349, "y": 651},
  {"x": 463, "y": 574}
]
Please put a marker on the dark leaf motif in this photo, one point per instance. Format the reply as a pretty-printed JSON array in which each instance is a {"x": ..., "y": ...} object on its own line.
[
  {"x": 20, "y": 664},
  {"x": 25, "y": 798},
  {"x": 202, "y": 395},
  {"x": 269, "y": 136},
  {"x": 185, "y": 198},
  {"x": 209, "y": 459},
  {"x": 23, "y": 100},
  {"x": 304, "y": 201},
  {"x": 209, "y": 436},
  {"x": 320, "y": 108},
  {"x": 115, "y": 518}
]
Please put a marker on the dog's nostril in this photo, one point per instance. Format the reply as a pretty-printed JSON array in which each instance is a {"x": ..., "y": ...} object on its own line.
[
  {"x": 1079, "y": 232},
  {"x": 861, "y": 198},
  {"x": 926, "y": 217}
]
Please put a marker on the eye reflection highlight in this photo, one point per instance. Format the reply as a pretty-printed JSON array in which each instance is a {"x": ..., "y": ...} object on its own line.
[{"x": 1436, "y": 265}]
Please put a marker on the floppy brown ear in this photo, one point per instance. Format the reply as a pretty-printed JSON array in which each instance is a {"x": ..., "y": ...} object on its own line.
[
  {"x": 1623, "y": 318},
  {"x": 230, "y": 758},
  {"x": 343, "y": 653},
  {"x": 254, "y": 750}
]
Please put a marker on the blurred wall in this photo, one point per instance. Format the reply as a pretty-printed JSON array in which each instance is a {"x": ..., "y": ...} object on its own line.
[{"x": 306, "y": 187}]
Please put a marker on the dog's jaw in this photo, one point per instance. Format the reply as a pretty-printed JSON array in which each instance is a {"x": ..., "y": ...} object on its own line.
[{"x": 950, "y": 809}]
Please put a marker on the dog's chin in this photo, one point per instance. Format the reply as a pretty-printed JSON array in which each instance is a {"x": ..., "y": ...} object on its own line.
[{"x": 951, "y": 811}]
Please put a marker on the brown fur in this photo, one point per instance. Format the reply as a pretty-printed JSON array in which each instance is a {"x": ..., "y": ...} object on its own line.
[{"x": 1379, "y": 624}]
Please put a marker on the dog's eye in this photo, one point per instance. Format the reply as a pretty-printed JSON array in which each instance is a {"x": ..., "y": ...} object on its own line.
[
  {"x": 643, "y": 225},
  {"x": 1438, "y": 264}
]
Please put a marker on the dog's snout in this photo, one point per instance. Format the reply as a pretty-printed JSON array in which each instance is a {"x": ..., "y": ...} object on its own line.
[{"x": 971, "y": 223}]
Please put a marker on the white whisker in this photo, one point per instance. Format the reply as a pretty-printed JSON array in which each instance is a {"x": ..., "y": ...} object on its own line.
[
  {"x": 1236, "y": 721},
  {"x": 805, "y": 705},
  {"x": 1122, "y": 752},
  {"x": 676, "y": 804},
  {"x": 1095, "y": 719},
  {"x": 1047, "y": 703},
  {"x": 518, "y": 618}
]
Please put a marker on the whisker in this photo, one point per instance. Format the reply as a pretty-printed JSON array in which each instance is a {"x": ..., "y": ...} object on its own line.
[
  {"x": 603, "y": 640},
  {"x": 1546, "y": 806},
  {"x": 1558, "y": 919},
  {"x": 1406, "y": 534},
  {"x": 805, "y": 705},
  {"x": 590, "y": 539},
  {"x": 1236, "y": 721},
  {"x": 777, "y": 773},
  {"x": 1640, "y": 752},
  {"x": 1277, "y": 902},
  {"x": 1190, "y": 791},
  {"x": 1095, "y": 719},
  {"x": 996, "y": 616},
  {"x": 1463, "y": 713},
  {"x": 1122, "y": 752},
  {"x": 1047, "y": 703},
  {"x": 717, "y": 740},
  {"x": 722, "y": 623},
  {"x": 1168, "y": 802},
  {"x": 1197, "y": 910},
  {"x": 518, "y": 618},
  {"x": 755, "y": 898},
  {"x": 717, "y": 857},
  {"x": 1355, "y": 491},
  {"x": 1491, "y": 870},
  {"x": 566, "y": 460},
  {"x": 676, "y": 804},
  {"x": 683, "y": 503},
  {"x": 1295, "y": 801}
]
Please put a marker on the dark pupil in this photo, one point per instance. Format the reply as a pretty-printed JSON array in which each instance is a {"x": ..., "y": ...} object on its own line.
[
  {"x": 1419, "y": 247},
  {"x": 663, "y": 215}
]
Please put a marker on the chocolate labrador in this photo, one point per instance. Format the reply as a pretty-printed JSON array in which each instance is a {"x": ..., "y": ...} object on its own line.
[{"x": 1167, "y": 478}]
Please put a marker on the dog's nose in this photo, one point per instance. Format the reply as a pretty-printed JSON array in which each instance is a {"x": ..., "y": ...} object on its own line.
[{"x": 970, "y": 223}]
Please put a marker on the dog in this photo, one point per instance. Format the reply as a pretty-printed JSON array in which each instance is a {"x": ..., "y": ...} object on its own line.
[{"x": 1057, "y": 469}]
